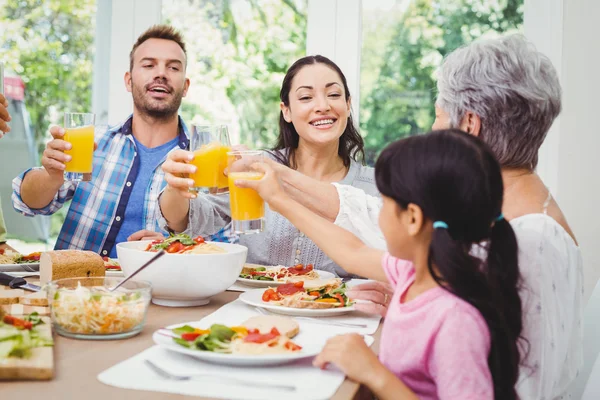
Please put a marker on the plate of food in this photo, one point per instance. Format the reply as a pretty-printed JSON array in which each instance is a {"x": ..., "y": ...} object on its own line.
[
  {"x": 261, "y": 276},
  {"x": 317, "y": 298},
  {"x": 112, "y": 266},
  {"x": 259, "y": 341},
  {"x": 12, "y": 261}
]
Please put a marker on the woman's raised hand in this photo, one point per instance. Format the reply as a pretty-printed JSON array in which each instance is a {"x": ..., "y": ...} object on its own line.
[{"x": 176, "y": 169}]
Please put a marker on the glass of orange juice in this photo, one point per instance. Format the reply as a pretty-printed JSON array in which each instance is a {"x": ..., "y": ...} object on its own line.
[
  {"x": 79, "y": 131},
  {"x": 247, "y": 207},
  {"x": 210, "y": 144}
]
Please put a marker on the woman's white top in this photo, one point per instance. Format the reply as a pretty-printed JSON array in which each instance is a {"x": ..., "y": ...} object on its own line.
[{"x": 552, "y": 272}]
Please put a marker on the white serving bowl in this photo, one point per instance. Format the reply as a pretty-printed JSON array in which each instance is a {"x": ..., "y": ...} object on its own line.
[{"x": 183, "y": 280}]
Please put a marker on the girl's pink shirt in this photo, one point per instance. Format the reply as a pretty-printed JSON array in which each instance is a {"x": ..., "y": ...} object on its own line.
[{"x": 437, "y": 343}]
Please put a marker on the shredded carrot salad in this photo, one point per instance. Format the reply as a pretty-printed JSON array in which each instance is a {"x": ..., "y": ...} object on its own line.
[{"x": 96, "y": 311}]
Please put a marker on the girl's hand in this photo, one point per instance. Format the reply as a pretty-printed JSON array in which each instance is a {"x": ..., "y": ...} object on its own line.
[
  {"x": 351, "y": 354},
  {"x": 176, "y": 169},
  {"x": 269, "y": 187}
]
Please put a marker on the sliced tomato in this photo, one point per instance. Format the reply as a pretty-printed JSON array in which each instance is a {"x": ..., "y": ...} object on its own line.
[
  {"x": 267, "y": 295},
  {"x": 317, "y": 294},
  {"x": 175, "y": 247},
  {"x": 17, "y": 322},
  {"x": 259, "y": 337},
  {"x": 292, "y": 346},
  {"x": 32, "y": 257},
  {"x": 199, "y": 240},
  {"x": 275, "y": 332},
  {"x": 340, "y": 298},
  {"x": 190, "y": 336},
  {"x": 291, "y": 288}
]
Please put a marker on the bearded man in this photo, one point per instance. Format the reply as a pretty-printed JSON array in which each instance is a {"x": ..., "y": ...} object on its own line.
[{"x": 120, "y": 200}]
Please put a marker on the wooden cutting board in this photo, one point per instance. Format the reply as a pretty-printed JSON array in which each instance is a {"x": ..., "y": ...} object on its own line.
[{"x": 39, "y": 366}]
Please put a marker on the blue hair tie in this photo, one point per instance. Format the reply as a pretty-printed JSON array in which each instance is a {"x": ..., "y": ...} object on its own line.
[
  {"x": 440, "y": 224},
  {"x": 500, "y": 217}
]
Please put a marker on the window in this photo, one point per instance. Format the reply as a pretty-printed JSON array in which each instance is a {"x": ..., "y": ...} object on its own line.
[
  {"x": 404, "y": 41},
  {"x": 238, "y": 53}
]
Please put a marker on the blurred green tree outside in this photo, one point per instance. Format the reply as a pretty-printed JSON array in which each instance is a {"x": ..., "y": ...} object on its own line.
[{"x": 402, "y": 47}]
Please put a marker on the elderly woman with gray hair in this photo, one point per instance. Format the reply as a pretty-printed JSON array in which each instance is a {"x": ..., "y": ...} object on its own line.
[{"x": 508, "y": 94}]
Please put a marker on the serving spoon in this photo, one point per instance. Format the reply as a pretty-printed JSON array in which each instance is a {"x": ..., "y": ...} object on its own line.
[{"x": 150, "y": 261}]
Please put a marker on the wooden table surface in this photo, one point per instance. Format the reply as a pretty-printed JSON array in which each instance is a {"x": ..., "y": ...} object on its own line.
[{"x": 78, "y": 362}]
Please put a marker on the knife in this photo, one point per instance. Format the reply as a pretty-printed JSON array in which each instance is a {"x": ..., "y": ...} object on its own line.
[{"x": 17, "y": 283}]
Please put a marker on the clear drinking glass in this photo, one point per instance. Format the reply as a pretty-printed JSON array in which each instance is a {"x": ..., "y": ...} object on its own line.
[
  {"x": 210, "y": 144},
  {"x": 79, "y": 131},
  {"x": 247, "y": 207}
]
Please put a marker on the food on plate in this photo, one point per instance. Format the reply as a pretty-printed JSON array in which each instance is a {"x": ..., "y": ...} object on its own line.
[
  {"x": 13, "y": 257},
  {"x": 264, "y": 323},
  {"x": 18, "y": 336},
  {"x": 111, "y": 264},
  {"x": 61, "y": 264},
  {"x": 183, "y": 244},
  {"x": 316, "y": 295},
  {"x": 11, "y": 296},
  {"x": 38, "y": 299},
  {"x": 257, "y": 336},
  {"x": 296, "y": 273},
  {"x": 95, "y": 310}
]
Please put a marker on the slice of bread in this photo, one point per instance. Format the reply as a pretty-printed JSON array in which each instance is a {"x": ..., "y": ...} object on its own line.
[
  {"x": 10, "y": 296},
  {"x": 264, "y": 323},
  {"x": 39, "y": 299},
  {"x": 61, "y": 264}
]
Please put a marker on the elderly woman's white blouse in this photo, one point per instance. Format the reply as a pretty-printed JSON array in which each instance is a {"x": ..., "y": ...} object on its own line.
[{"x": 552, "y": 271}]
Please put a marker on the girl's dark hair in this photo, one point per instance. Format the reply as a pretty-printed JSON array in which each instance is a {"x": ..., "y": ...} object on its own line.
[
  {"x": 351, "y": 143},
  {"x": 453, "y": 177}
]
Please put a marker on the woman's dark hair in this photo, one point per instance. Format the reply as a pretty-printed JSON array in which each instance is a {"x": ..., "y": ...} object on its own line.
[
  {"x": 351, "y": 143},
  {"x": 453, "y": 177}
]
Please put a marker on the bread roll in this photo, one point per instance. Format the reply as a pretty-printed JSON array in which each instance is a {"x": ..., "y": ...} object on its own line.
[
  {"x": 60, "y": 264},
  {"x": 264, "y": 323}
]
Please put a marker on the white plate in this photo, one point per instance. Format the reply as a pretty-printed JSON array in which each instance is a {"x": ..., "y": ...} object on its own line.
[
  {"x": 30, "y": 267},
  {"x": 265, "y": 284},
  {"x": 254, "y": 298},
  {"x": 309, "y": 349}
]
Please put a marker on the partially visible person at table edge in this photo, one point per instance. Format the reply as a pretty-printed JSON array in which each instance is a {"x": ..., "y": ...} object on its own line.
[
  {"x": 508, "y": 94},
  {"x": 454, "y": 322},
  {"x": 120, "y": 201},
  {"x": 317, "y": 141},
  {"x": 4, "y": 119}
]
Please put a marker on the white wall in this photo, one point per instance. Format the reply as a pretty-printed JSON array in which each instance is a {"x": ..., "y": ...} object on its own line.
[
  {"x": 567, "y": 31},
  {"x": 334, "y": 31},
  {"x": 128, "y": 19}
]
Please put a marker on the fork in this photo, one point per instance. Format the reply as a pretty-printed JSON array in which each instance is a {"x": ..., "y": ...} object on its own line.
[
  {"x": 230, "y": 380},
  {"x": 316, "y": 320}
]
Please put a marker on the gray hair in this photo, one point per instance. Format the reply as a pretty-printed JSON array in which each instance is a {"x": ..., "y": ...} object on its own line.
[{"x": 513, "y": 88}]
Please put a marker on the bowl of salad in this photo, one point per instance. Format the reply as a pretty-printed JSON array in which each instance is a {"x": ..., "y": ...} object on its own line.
[
  {"x": 84, "y": 308},
  {"x": 190, "y": 273}
]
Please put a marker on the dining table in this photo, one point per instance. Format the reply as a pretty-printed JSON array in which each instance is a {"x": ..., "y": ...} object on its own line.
[{"x": 77, "y": 362}]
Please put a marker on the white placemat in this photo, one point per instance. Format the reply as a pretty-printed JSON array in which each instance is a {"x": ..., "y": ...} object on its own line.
[{"x": 311, "y": 382}]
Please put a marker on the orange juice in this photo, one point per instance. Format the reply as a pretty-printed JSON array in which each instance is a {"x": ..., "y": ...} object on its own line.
[
  {"x": 82, "y": 152},
  {"x": 210, "y": 161},
  {"x": 246, "y": 204},
  {"x": 222, "y": 180}
]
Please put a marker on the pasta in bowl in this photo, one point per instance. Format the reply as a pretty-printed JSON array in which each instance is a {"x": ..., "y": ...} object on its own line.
[{"x": 189, "y": 274}]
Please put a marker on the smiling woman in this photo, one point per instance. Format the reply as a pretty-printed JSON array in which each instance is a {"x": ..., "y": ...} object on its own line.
[{"x": 317, "y": 140}]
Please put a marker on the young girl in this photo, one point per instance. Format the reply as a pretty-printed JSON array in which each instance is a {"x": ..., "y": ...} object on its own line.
[{"x": 454, "y": 320}]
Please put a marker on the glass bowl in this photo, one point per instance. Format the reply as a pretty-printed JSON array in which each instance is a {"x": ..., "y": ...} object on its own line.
[{"x": 83, "y": 308}]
